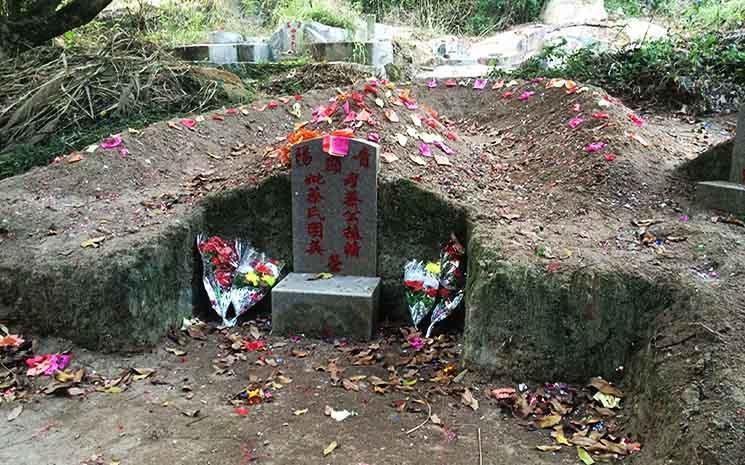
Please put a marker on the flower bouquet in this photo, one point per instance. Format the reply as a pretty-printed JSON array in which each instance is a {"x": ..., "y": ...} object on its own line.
[
  {"x": 231, "y": 268},
  {"x": 436, "y": 287},
  {"x": 255, "y": 276},
  {"x": 422, "y": 282},
  {"x": 450, "y": 293}
]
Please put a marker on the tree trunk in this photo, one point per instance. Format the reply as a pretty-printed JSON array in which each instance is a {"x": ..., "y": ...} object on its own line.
[{"x": 30, "y": 30}]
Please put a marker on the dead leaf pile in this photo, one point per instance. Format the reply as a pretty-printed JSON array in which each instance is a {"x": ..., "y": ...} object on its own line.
[{"x": 581, "y": 417}]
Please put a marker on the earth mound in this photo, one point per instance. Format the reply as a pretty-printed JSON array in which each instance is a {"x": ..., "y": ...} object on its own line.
[{"x": 585, "y": 252}]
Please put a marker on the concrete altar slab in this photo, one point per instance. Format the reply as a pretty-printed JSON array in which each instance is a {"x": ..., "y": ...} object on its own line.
[{"x": 340, "y": 306}]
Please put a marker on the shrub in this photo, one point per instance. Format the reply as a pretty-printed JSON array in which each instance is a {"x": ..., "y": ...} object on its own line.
[{"x": 706, "y": 72}]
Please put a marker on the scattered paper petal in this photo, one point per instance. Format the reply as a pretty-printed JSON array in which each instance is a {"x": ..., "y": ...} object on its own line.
[
  {"x": 526, "y": 95},
  {"x": 418, "y": 160},
  {"x": 442, "y": 160},
  {"x": 391, "y": 116},
  {"x": 480, "y": 84},
  {"x": 425, "y": 150},
  {"x": 389, "y": 157},
  {"x": 112, "y": 142},
  {"x": 636, "y": 119},
  {"x": 594, "y": 147},
  {"x": 189, "y": 122},
  {"x": 575, "y": 122},
  {"x": 401, "y": 139},
  {"x": 432, "y": 83}
]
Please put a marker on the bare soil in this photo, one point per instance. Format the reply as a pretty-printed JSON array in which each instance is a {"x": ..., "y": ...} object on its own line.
[{"x": 520, "y": 171}]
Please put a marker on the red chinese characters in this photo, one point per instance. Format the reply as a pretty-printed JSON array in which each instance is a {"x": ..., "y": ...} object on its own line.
[
  {"x": 315, "y": 225},
  {"x": 351, "y": 214},
  {"x": 303, "y": 157},
  {"x": 334, "y": 263}
]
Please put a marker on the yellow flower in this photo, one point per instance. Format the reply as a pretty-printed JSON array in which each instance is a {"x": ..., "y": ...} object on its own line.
[
  {"x": 269, "y": 279},
  {"x": 433, "y": 268},
  {"x": 252, "y": 278}
]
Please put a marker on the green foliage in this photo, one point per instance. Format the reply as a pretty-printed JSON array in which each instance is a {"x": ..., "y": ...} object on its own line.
[
  {"x": 697, "y": 72},
  {"x": 335, "y": 13},
  {"x": 458, "y": 16}
]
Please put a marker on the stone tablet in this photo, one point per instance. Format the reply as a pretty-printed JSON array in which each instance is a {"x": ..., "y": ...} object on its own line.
[{"x": 334, "y": 209}]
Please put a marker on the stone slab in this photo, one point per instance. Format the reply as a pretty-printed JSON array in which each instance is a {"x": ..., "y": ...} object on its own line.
[
  {"x": 737, "y": 173},
  {"x": 378, "y": 53},
  {"x": 334, "y": 209},
  {"x": 341, "y": 306},
  {"x": 722, "y": 195}
]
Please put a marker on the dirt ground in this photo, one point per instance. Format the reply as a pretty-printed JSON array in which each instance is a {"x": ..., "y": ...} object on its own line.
[
  {"x": 146, "y": 423},
  {"x": 525, "y": 177}
]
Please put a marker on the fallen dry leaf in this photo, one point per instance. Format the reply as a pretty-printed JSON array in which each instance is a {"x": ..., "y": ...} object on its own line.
[
  {"x": 605, "y": 387},
  {"x": 548, "y": 448},
  {"x": 549, "y": 421},
  {"x": 349, "y": 385},
  {"x": 330, "y": 448},
  {"x": 468, "y": 399},
  {"x": 176, "y": 352},
  {"x": 298, "y": 413},
  {"x": 94, "y": 242},
  {"x": 15, "y": 413}
]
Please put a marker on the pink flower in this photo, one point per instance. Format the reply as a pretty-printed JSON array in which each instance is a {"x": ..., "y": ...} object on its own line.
[
  {"x": 636, "y": 119},
  {"x": 480, "y": 84},
  {"x": 526, "y": 95},
  {"x": 425, "y": 150},
  {"x": 112, "y": 142},
  {"x": 444, "y": 148},
  {"x": 48, "y": 364},
  {"x": 575, "y": 122},
  {"x": 416, "y": 342},
  {"x": 595, "y": 147}
]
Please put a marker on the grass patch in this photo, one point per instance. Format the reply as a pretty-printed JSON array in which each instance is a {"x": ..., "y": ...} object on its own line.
[
  {"x": 705, "y": 72},
  {"x": 336, "y": 13}
]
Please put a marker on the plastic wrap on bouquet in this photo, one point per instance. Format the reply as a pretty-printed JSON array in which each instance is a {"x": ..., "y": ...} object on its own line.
[
  {"x": 220, "y": 259},
  {"x": 254, "y": 278},
  {"x": 235, "y": 274},
  {"x": 422, "y": 282},
  {"x": 450, "y": 293}
]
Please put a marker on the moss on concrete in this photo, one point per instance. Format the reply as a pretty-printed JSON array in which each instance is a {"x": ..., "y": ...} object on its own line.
[{"x": 525, "y": 322}]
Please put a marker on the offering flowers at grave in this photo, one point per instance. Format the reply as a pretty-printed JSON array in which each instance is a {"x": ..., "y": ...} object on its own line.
[
  {"x": 235, "y": 275},
  {"x": 435, "y": 287},
  {"x": 422, "y": 282},
  {"x": 450, "y": 293},
  {"x": 255, "y": 276}
]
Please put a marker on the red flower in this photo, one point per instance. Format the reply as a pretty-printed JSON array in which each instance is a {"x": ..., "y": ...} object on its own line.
[
  {"x": 432, "y": 292},
  {"x": 414, "y": 285},
  {"x": 262, "y": 268},
  {"x": 224, "y": 278},
  {"x": 444, "y": 292},
  {"x": 253, "y": 346}
]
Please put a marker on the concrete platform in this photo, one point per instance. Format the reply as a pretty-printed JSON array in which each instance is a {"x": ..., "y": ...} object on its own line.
[
  {"x": 343, "y": 306},
  {"x": 722, "y": 195}
]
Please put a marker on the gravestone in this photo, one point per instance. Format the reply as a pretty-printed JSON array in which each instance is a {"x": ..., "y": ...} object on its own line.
[
  {"x": 728, "y": 195},
  {"x": 334, "y": 229}
]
